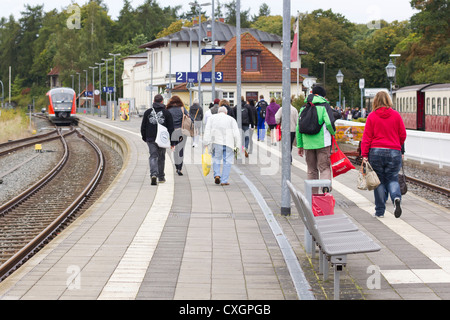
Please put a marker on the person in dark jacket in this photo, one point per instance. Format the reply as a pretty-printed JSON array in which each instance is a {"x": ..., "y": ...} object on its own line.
[
  {"x": 176, "y": 107},
  {"x": 149, "y": 129},
  {"x": 196, "y": 113},
  {"x": 247, "y": 121}
]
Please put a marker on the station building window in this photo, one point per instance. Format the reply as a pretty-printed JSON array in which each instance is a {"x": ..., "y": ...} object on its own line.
[
  {"x": 251, "y": 60},
  {"x": 230, "y": 97},
  {"x": 444, "y": 106},
  {"x": 275, "y": 94}
]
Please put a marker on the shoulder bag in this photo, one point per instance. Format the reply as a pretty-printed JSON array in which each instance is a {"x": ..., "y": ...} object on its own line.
[
  {"x": 372, "y": 180},
  {"x": 162, "y": 134},
  {"x": 187, "y": 127},
  {"x": 339, "y": 162}
]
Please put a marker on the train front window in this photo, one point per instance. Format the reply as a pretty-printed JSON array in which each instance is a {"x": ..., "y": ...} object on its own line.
[{"x": 62, "y": 99}]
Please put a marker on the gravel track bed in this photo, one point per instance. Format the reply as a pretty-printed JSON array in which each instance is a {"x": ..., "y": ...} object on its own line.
[{"x": 440, "y": 177}]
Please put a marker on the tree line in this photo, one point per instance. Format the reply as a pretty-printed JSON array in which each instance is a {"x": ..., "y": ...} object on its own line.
[{"x": 38, "y": 41}]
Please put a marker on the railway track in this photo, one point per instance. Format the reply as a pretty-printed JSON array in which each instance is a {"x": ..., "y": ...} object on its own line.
[
  {"x": 11, "y": 146},
  {"x": 36, "y": 215},
  {"x": 429, "y": 186}
]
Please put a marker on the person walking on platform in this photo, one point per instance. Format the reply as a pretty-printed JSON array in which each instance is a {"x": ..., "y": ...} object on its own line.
[
  {"x": 225, "y": 103},
  {"x": 270, "y": 119},
  {"x": 149, "y": 129},
  {"x": 176, "y": 107},
  {"x": 196, "y": 113},
  {"x": 223, "y": 136},
  {"x": 261, "y": 109},
  {"x": 253, "y": 125},
  {"x": 293, "y": 122},
  {"x": 381, "y": 145},
  {"x": 317, "y": 147},
  {"x": 247, "y": 121}
]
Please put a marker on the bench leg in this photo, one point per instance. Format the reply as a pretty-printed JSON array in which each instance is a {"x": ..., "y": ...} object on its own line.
[
  {"x": 320, "y": 261},
  {"x": 313, "y": 249},
  {"x": 308, "y": 241},
  {"x": 325, "y": 267},
  {"x": 337, "y": 280},
  {"x": 338, "y": 262}
]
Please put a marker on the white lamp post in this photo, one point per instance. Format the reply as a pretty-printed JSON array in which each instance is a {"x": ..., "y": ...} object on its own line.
[
  {"x": 390, "y": 70},
  {"x": 340, "y": 79}
]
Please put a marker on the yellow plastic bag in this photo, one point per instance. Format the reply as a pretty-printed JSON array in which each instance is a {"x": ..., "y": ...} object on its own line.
[{"x": 206, "y": 162}]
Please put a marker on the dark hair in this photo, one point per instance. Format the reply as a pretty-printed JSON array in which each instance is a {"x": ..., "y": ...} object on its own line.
[
  {"x": 158, "y": 98},
  {"x": 175, "y": 101},
  {"x": 319, "y": 90},
  {"x": 251, "y": 102}
]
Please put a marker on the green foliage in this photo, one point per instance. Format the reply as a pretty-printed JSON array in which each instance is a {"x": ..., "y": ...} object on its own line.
[{"x": 270, "y": 24}]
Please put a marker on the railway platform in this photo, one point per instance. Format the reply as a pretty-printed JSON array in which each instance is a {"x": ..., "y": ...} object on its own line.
[{"x": 190, "y": 239}]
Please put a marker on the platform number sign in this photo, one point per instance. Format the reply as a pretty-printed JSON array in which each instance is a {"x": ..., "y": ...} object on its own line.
[{"x": 180, "y": 77}]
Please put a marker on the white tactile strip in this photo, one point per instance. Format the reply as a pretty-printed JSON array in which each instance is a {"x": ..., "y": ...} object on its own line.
[
  {"x": 430, "y": 248},
  {"x": 126, "y": 280}
]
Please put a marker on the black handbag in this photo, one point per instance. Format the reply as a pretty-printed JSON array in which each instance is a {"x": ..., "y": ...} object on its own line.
[{"x": 402, "y": 181}]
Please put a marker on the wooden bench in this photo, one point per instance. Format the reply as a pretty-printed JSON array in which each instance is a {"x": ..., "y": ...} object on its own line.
[{"x": 336, "y": 237}]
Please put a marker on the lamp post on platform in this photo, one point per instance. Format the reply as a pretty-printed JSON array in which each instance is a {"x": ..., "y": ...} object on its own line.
[
  {"x": 108, "y": 97},
  {"x": 93, "y": 90},
  {"x": 100, "y": 86},
  {"x": 340, "y": 79},
  {"x": 390, "y": 70},
  {"x": 114, "y": 55}
]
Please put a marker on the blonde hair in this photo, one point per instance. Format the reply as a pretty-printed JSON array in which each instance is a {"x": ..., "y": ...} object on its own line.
[
  {"x": 224, "y": 103},
  {"x": 382, "y": 99}
]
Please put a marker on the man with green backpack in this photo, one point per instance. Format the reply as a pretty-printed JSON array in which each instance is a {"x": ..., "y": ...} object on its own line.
[{"x": 315, "y": 129}]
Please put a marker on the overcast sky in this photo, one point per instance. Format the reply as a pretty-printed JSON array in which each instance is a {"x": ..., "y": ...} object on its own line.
[{"x": 358, "y": 11}]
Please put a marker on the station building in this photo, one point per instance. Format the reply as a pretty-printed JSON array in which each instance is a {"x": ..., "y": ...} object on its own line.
[{"x": 153, "y": 71}]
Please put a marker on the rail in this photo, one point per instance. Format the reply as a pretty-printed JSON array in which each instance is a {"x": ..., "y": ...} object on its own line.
[{"x": 12, "y": 263}]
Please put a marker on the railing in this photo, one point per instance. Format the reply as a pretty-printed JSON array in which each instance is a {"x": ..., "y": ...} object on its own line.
[{"x": 431, "y": 147}]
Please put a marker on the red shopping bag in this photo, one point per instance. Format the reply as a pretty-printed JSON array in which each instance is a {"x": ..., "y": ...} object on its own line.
[
  {"x": 339, "y": 162},
  {"x": 323, "y": 204},
  {"x": 278, "y": 132}
]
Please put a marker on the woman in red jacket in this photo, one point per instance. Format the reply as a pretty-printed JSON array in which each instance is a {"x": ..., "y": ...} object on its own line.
[{"x": 384, "y": 135}]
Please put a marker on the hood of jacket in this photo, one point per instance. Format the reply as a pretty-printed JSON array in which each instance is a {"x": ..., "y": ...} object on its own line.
[
  {"x": 384, "y": 112},
  {"x": 158, "y": 106},
  {"x": 315, "y": 99}
]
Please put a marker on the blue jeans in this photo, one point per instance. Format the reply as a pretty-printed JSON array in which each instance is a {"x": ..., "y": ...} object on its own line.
[
  {"x": 261, "y": 129},
  {"x": 227, "y": 154},
  {"x": 386, "y": 163}
]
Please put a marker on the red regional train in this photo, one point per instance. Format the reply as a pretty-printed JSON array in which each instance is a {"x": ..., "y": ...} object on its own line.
[
  {"x": 61, "y": 105},
  {"x": 424, "y": 107}
]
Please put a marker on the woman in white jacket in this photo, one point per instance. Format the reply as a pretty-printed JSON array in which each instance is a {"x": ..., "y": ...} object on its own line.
[{"x": 222, "y": 135}]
